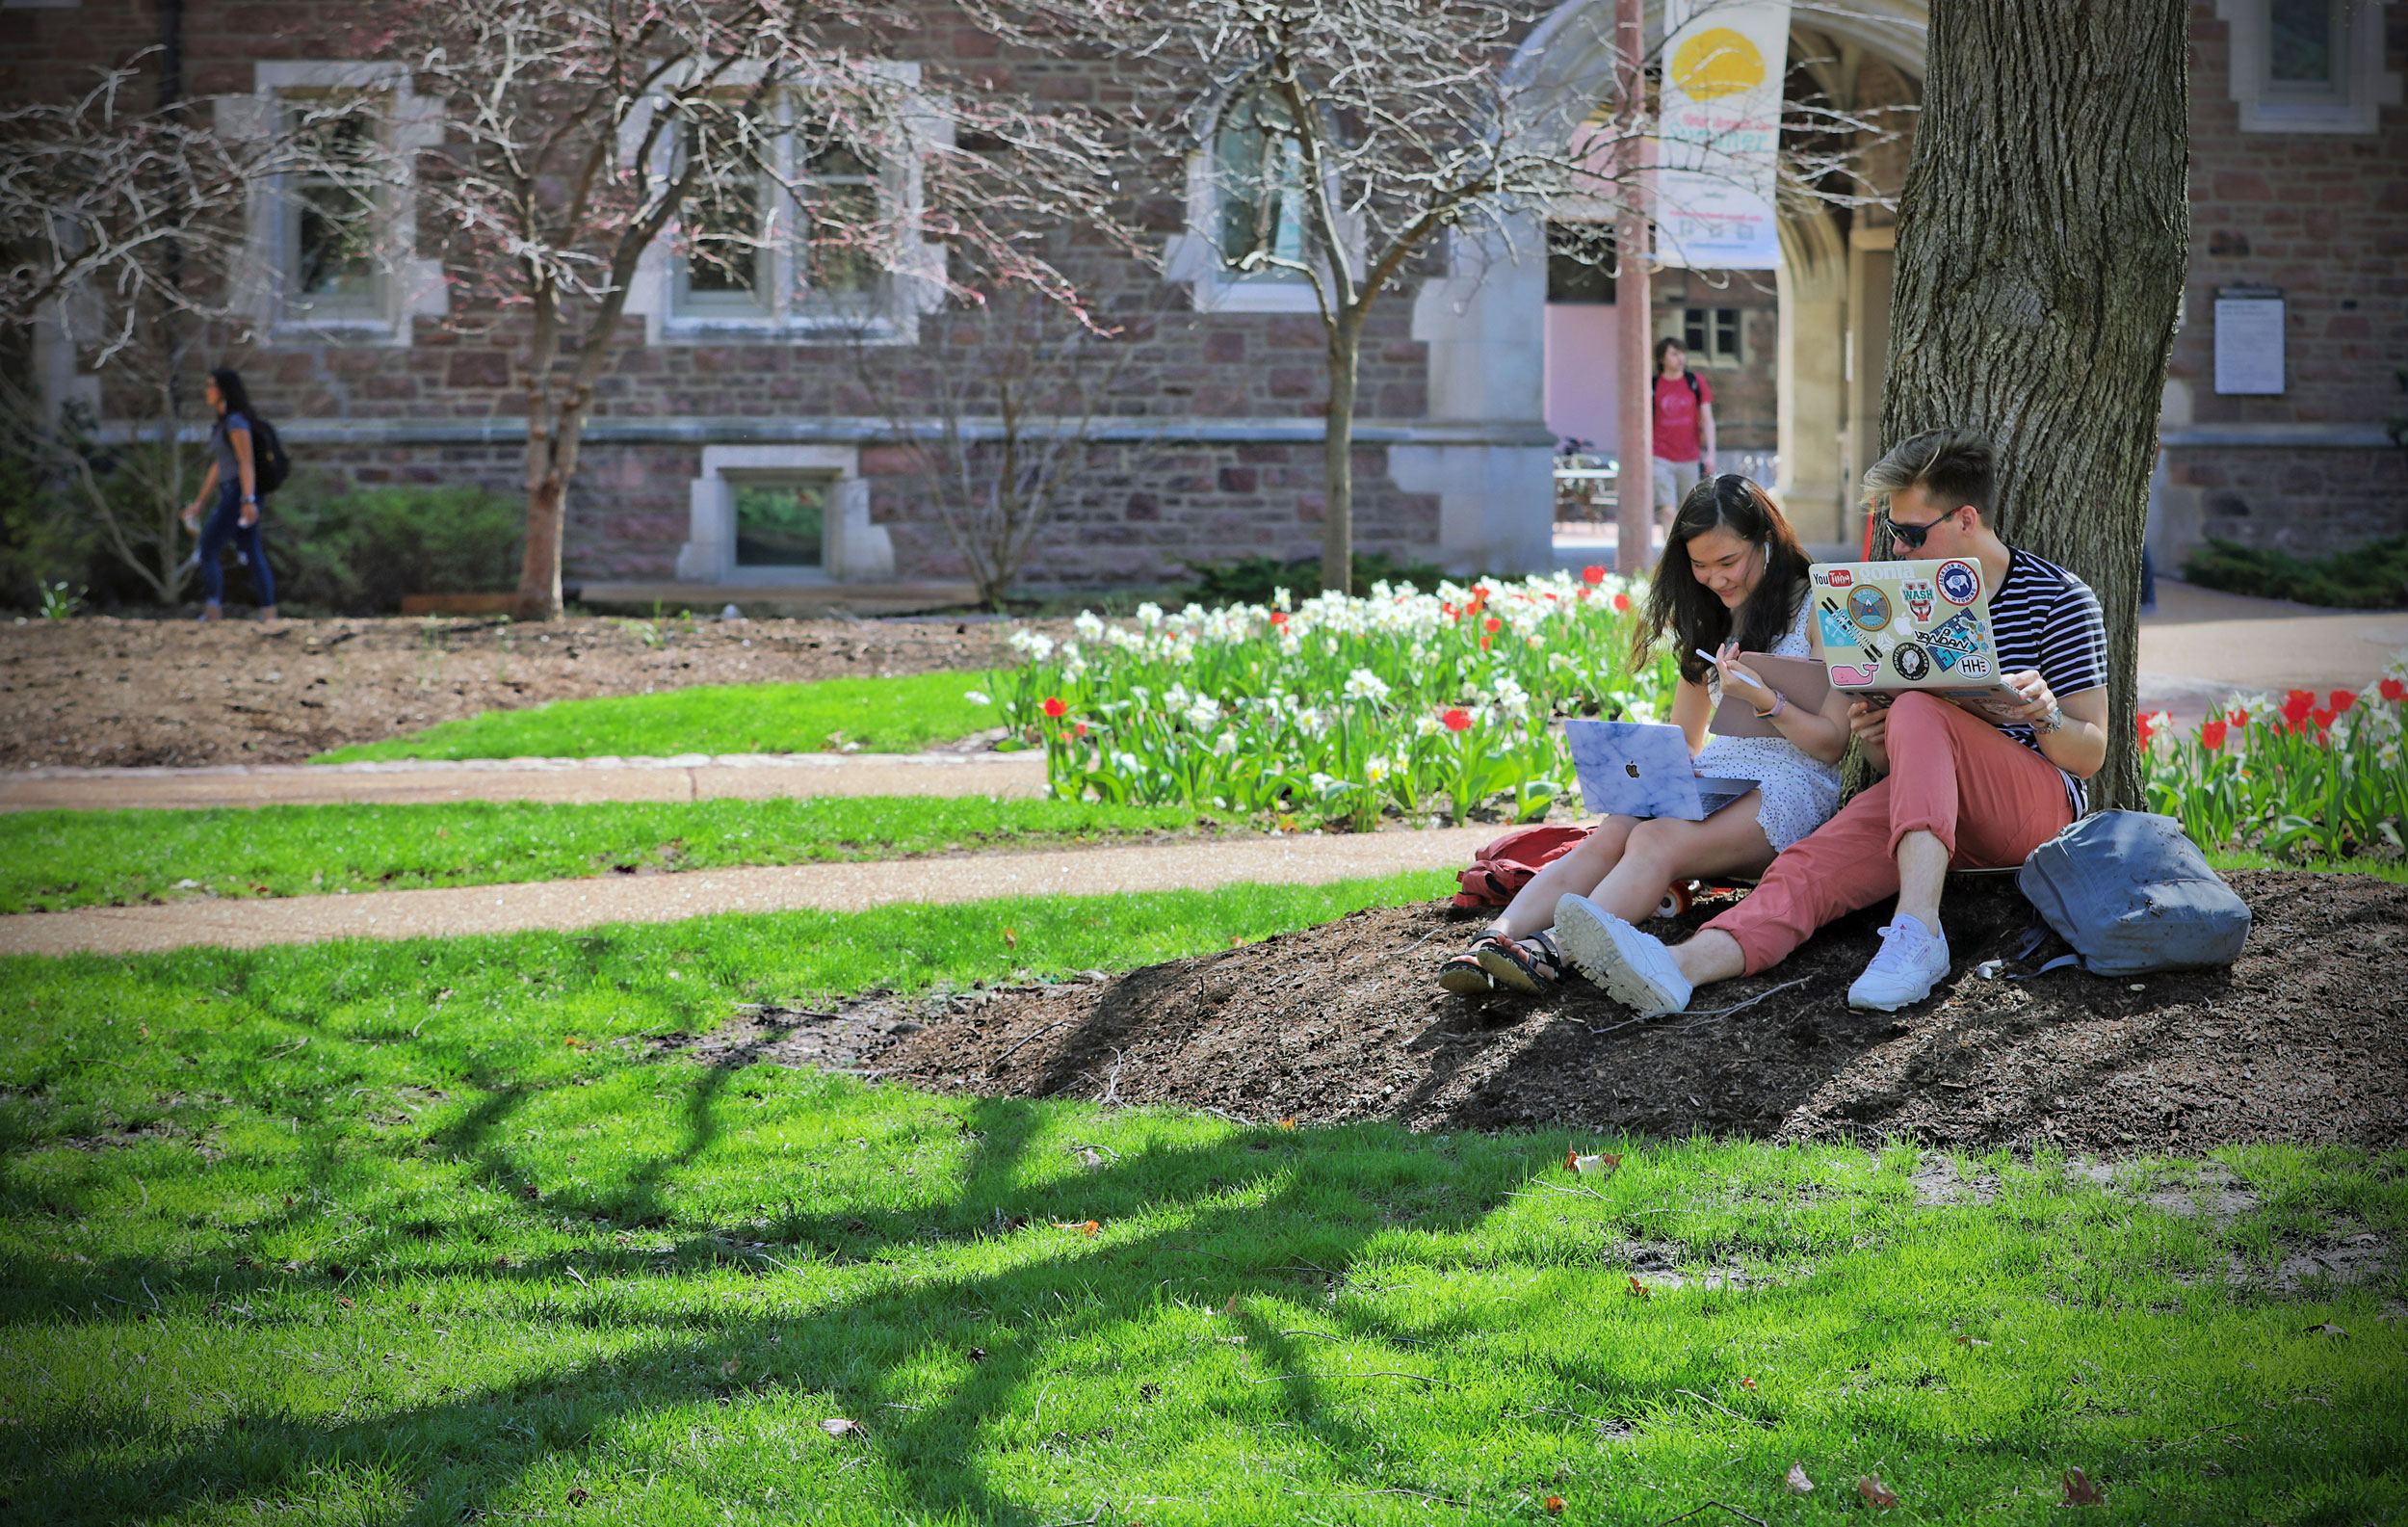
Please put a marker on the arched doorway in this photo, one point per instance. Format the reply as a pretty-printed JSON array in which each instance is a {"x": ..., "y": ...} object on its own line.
[{"x": 1488, "y": 324}]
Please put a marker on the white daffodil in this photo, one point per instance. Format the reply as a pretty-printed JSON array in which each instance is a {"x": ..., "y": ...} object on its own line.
[
  {"x": 1226, "y": 745},
  {"x": 1089, "y": 625},
  {"x": 1149, "y": 614},
  {"x": 1364, "y": 684},
  {"x": 1375, "y": 769}
]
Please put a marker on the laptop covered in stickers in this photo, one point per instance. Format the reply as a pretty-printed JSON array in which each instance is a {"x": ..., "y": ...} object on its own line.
[{"x": 1887, "y": 628}]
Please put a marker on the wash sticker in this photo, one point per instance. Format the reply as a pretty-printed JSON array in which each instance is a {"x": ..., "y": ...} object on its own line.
[
  {"x": 1870, "y": 608},
  {"x": 1960, "y": 582},
  {"x": 1917, "y": 592}
]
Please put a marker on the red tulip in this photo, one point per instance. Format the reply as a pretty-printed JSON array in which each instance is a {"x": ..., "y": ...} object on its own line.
[
  {"x": 2147, "y": 728},
  {"x": 1053, "y": 707},
  {"x": 1082, "y": 732},
  {"x": 2212, "y": 734},
  {"x": 2297, "y": 704},
  {"x": 2395, "y": 690},
  {"x": 2323, "y": 717},
  {"x": 1457, "y": 719},
  {"x": 1492, "y": 623},
  {"x": 2340, "y": 701},
  {"x": 1279, "y": 618},
  {"x": 1622, "y": 601},
  {"x": 2239, "y": 718},
  {"x": 1592, "y": 575}
]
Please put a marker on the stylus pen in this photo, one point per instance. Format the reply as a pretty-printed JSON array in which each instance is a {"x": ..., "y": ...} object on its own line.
[{"x": 1708, "y": 656}]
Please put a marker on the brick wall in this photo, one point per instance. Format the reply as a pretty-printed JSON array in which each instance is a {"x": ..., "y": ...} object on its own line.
[{"x": 2324, "y": 217}]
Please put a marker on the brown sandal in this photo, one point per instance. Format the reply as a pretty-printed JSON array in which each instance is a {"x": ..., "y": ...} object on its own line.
[
  {"x": 1530, "y": 966},
  {"x": 1465, "y": 976}
]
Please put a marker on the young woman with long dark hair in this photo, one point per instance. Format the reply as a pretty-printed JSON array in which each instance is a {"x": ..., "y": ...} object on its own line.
[
  {"x": 234, "y": 480},
  {"x": 1732, "y": 579}
]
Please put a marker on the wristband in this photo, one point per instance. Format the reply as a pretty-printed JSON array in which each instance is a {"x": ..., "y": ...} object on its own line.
[
  {"x": 2053, "y": 722},
  {"x": 1780, "y": 704}
]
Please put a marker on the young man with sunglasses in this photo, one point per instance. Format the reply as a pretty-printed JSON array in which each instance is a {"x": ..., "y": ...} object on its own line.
[{"x": 1959, "y": 791}]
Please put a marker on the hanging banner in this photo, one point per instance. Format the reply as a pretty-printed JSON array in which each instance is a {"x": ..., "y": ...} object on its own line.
[{"x": 1719, "y": 134}]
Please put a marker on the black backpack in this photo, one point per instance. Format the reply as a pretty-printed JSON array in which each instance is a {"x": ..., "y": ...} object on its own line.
[{"x": 269, "y": 464}]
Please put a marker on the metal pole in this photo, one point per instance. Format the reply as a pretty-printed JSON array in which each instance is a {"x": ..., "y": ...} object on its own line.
[{"x": 1634, "y": 427}]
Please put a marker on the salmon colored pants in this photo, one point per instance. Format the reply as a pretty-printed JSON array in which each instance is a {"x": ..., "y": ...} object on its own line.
[{"x": 1952, "y": 775}]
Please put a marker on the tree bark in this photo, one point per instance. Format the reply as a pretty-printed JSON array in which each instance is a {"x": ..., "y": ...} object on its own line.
[
  {"x": 2042, "y": 237},
  {"x": 1338, "y": 453}
]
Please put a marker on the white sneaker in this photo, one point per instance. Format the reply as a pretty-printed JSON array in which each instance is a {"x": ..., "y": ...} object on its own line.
[
  {"x": 1635, "y": 968},
  {"x": 1913, "y": 957}
]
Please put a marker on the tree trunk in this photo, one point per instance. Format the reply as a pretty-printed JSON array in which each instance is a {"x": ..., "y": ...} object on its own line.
[
  {"x": 547, "y": 513},
  {"x": 2042, "y": 236},
  {"x": 1345, "y": 337}
]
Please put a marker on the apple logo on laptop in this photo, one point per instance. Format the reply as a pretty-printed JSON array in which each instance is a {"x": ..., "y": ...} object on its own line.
[{"x": 1631, "y": 769}]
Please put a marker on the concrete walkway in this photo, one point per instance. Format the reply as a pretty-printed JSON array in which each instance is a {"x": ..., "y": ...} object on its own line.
[
  {"x": 692, "y": 777},
  {"x": 1304, "y": 860},
  {"x": 2202, "y": 646}
]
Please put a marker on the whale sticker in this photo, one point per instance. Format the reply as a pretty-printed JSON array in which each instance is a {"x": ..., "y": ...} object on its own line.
[{"x": 1854, "y": 677}]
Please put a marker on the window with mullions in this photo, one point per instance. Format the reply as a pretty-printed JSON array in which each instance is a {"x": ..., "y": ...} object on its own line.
[
  {"x": 332, "y": 222},
  {"x": 1259, "y": 177},
  {"x": 1712, "y": 335},
  {"x": 2305, "y": 41},
  {"x": 786, "y": 225}
]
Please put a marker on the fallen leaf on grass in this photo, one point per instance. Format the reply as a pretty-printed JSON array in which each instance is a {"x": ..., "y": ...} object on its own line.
[
  {"x": 1554, "y": 1505},
  {"x": 976, "y": 1354},
  {"x": 1797, "y": 1484},
  {"x": 1971, "y": 1341},
  {"x": 1011, "y": 940},
  {"x": 1640, "y": 1290},
  {"x": 345, "y": 1303},
  {"x": 1870, "y": 1486},
  {"x": 2079, "y": 1491},
  {"x": 1603, "y": 1162},
  {"x": 1289, "y": 1123},
  {"x": 1084, "y": 1227},
  {"x": 1148, "y": 1393},
  {"x": 1092, "y": 1159},
  {"x": 1235, "y": 942},
  {"x": 1233, "y": 1306},
  {"x": 578, "y": 1495},
  {"x": 2328, "y": 1328},
  {"x": 730, "y": 1366},
  {"x": 1748, "y": 1383},
  {"x": 838, "y": 1425}
]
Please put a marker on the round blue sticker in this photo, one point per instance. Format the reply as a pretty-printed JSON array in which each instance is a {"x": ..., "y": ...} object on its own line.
[{"x": 1960, "y": 582}]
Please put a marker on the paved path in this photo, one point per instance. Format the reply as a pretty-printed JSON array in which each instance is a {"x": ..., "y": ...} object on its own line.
[
  {"x": 2201, "y": 646},
  {"x": 1302, "y": 860},
  {"x": 692, "y": 777}
]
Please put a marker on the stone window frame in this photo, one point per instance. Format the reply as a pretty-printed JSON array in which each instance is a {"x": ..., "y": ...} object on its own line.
[
  {"x": 2356, "y": 102},
  {"x": 408, "y": 286},
  {"x": 915, "y": 289},
  {"x": 1194, "y": 254},
  {"x": 851, "y": 548},
  {"x": 1709, "y": 355}
]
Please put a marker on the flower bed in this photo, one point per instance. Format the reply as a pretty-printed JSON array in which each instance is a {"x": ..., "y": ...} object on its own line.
[
  {"x": 2310, "y": 776},
  {"x": 1337, "y": 708}
]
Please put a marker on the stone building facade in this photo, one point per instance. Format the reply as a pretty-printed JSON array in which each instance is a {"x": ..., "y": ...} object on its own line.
[{"x": 1209, "y": 446}]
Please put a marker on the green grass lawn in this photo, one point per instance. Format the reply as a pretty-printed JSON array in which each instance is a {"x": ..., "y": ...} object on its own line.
[
  {"x": 52, "y": 860},
  {"x": 882, "y": 714},
  {"x": 421, "y": 1233}
]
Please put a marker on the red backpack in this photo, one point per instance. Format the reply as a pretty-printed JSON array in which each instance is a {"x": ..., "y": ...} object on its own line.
[{"x": 1506, "y": 865}]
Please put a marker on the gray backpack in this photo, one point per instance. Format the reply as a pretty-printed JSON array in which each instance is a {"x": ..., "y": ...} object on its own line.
[{"x": 2132, "y": 894}]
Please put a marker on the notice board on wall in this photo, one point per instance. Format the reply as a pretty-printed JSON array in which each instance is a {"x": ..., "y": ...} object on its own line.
[{"x": 2249, "y": 340}]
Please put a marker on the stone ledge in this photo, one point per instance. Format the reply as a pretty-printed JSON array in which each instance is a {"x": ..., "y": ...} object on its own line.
[{"x": 2277, "y": 436}]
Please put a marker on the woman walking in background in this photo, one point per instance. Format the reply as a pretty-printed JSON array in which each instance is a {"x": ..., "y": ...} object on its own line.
[{"x": 234, "y": 477}]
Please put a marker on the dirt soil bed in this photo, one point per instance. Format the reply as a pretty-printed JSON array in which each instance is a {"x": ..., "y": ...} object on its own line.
[
  {"x": 2302, "y": 1039},
  {"x": 103, "y": 691}
]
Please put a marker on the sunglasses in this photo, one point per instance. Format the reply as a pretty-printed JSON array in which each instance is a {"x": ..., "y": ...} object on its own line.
[{"x": 1913, "y": 536}]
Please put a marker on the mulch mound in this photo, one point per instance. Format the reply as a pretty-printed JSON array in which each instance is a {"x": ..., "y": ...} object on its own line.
[{"x": 2302, "y": 1039}]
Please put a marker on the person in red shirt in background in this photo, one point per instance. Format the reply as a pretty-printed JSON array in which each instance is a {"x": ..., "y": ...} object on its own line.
[{"x": 1684, "y": 448}]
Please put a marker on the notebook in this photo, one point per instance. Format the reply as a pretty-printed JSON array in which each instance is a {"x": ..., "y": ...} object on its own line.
[
  {"x": 1803, "y": 681},
  {"x": 1644, "y": 769},
  {"x": 1891, "y": 626}
]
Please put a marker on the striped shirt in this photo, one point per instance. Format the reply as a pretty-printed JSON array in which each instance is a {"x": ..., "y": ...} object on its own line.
[{"x": 2044, "y": 618}]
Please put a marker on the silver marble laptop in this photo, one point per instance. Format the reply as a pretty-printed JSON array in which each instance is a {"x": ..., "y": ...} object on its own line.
[{"x": 1644, "y": 769}]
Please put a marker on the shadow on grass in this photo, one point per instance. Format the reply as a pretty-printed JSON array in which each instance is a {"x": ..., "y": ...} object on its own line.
[{"x": 457, "y": 1456}]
